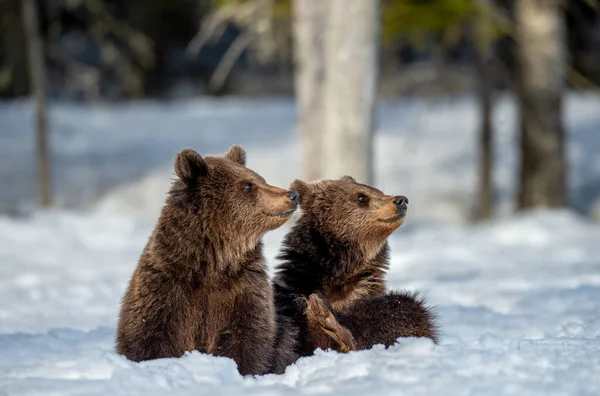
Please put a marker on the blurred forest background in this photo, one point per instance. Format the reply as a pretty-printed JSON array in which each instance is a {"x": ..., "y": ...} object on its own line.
[{"x": 337, "y": 57}]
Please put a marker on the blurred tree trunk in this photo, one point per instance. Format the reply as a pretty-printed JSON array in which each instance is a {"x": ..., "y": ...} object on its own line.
[
  {"x": 483, "y": 59},
  {"x": 309, "y": 27},
  {"x": 14, "y": 80},
  {"x": 485, "y": 199},
  {"x": 36, "y": 76},
  {"x": 351, "y": 41},
  {"x": 540, "y": 35},
  {"x": 263, "y": 31}
]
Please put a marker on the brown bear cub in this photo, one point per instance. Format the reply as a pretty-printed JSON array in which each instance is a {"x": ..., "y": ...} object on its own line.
[
  {"x": 201, "y": 282},
  {"x": 335, "y": 257}
]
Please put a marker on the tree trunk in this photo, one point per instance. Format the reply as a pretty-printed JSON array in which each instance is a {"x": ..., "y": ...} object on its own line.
[
  {"x": 350, "y": 87},
  {"x": 37, "y": 80},
  {"x": 540, "y": 81},
  {"x": 483, "y": 55},
  {"x": 309, "y": 28},
  {"x": 485, "y": 206},
  {"x": 12, "y": 51}
]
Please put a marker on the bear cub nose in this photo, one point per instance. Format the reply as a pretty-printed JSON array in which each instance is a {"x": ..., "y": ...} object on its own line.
[
  {"x": 400, "y": 200},
  {"x": 293, "y": 196}
]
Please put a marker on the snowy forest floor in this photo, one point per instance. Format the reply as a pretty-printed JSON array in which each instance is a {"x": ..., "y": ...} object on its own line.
[{"x": 518, "y": 299}]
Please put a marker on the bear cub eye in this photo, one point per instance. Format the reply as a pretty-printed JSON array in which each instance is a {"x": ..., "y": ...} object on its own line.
[
  {"x": 249, "y": 186},
  {"x": 362, "y": 198}
]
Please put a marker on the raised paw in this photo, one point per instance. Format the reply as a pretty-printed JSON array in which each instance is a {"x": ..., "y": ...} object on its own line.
[{"x": 318, "y": 315}]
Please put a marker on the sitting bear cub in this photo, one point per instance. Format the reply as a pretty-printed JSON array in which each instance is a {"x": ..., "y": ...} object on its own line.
[
  {"x": 334, "y": 260},
  {"x": 201, "y": 283}
]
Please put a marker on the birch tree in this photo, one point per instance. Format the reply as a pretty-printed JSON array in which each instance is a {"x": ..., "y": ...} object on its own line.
[
  {"x": 351, "y": 69},
  {"x": 309, "y": 79},
  {"x": 540, "y": 37},
  {"x": 336, "y": 45}
]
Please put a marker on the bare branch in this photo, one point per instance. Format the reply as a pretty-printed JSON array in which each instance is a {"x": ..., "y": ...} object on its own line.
[
  {"x": 226, "y": 65},
  {"x": 212, "y": 24}
]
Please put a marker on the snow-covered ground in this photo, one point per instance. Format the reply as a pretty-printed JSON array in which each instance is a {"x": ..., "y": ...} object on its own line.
[{"x": 518, "y": 299}]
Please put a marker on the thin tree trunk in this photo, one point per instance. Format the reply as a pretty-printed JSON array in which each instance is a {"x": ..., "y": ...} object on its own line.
[
  {"x": 485, "y": 206},
  {"x": 481, "y": 40},
  {"x": 350, "y": 87},
  {"x": 309, "y": 27},
  {"x": 540, "y": 35},
  {"x": 12, "y": 48},
  {"x": 37, "y": 79}
]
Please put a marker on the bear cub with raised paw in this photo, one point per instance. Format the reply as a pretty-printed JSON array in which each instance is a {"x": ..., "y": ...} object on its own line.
[{"x": 334, "y": 260}]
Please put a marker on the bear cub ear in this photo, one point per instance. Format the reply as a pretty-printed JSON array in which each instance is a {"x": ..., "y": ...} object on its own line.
[
  {"x": 304, "y": 189},
  {"x": 236, "y": 154},
  {"x": 348, "y": 178},
  {"x": 189, "y": 165}
]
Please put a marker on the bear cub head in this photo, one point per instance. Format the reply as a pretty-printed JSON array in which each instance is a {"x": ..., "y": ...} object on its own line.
[
  {"x": 351, "y": 211},
  {"x": 227, "y": 200}
]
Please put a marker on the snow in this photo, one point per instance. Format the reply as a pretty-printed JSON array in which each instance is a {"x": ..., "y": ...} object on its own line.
[
  {"x": 518, "y": 299},
  {"x": 424, "y": 148}
]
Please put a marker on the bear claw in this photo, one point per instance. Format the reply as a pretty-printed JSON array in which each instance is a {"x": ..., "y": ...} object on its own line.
[{"x": 318, "y": 311}]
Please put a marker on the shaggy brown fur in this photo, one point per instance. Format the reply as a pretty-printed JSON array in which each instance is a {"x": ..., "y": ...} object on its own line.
[
  {"x": 201, "y": 282},
  {"x": 338, "y": 248}
]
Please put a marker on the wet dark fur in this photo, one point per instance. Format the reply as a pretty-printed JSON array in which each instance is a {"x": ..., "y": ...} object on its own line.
[
  {"x": 201, "y": 282},
  {"x": 338, "y": 248}
]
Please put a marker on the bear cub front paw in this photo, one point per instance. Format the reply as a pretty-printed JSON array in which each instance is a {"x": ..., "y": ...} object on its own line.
[{"x": 319, "y": 316}]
